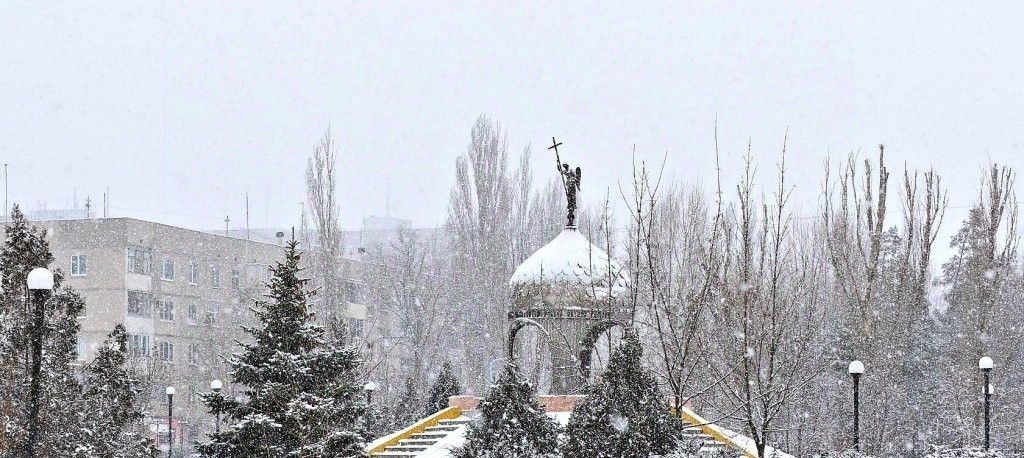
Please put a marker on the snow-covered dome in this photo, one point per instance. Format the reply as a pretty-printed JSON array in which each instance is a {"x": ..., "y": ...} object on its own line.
[{"x": 568, "y": 264}]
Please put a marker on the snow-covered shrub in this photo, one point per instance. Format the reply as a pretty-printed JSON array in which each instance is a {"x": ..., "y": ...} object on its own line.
[
  {"x": 849, "y": 454},
  {"x": 624, "y": 414},
  {"x": 511, "y": 424},
  {"x": 967, "y": 452}
]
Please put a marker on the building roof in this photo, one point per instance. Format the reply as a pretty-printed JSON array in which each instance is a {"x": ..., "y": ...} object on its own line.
[{"x": 570, "y": 259}]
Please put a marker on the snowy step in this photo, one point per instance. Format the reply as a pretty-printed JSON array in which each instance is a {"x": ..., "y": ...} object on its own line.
[
  {"x": 436, "y": 435},
  {"x": 423, "y": 442},
  {"x": 387, "y": 454},
  {"x": 405, "y": 448},
  {"x": 456, "y": 422},
  {"x": 441, "y": 429}
]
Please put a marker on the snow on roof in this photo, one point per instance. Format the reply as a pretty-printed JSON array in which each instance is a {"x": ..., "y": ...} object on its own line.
[{"x": 570, "y": 258}]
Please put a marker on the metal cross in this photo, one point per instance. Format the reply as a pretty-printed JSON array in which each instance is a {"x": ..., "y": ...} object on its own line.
[{"x": 554, "y": 145}]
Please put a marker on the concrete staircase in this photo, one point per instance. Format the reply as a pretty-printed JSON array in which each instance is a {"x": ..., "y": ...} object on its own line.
[
  {"x": 706, "y": 445},
  {"x": 420, "y": 442}
]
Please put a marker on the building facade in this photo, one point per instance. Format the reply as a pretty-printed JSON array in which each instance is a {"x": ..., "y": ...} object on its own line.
[{"x": 182, "y": 296}]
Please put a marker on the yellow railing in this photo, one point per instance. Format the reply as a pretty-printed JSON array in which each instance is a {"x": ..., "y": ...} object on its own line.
[
  {"x": 392, "y": 439},
  {"x": 707, "y": 428}
]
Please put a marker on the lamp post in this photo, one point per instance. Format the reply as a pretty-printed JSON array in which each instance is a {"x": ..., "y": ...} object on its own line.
[
  {"x": 856, "y": 369},
  {"x": 985, "y": 364},
  {"x": 215, "y": 387},
  {"x": 40, "y": 285},
  {"x": 170, "y": 417},
  {"x": 369, "y": 387}
]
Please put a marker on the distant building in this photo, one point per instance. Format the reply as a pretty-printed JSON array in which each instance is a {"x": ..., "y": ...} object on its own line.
[
  {"x": 59, "y": 214},
  {"x": 182, "y": 295}
]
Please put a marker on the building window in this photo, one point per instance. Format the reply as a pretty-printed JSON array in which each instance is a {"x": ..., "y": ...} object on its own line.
[
  {"x": 354, "y": 292},
  {"x": 168, "y": 271},
  {"x": 138, "y": 344},
  {"x": 165, "y": 351},
  {"x": 193, "y": 313},
  {"x": 210, "y": 319},
  {"x": 193, "y": 273},
  {"x": 215, "y": 277},
  {"x": 78, "y": 265},
  {"x": 139, "y": 260},
  {"x": 355, "y": 328},
  {"x": 193, "y": 354},
  {"x": 165, "y": 310},
  {"x": 236, "y": 280},
  {"x": 81, "y": 349},
  {"x": 139, "y": 304}
]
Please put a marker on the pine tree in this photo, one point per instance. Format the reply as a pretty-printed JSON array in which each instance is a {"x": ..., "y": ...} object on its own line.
[
  {"x": 624, "y": 414},
  {"x": 300, "y": 398},
  {"x": 405, "y": 412},
  {"x": 25, "y": 249},
  {"x": 61, "y": 432},
  {"x": 377, "y": 422},
  {"x": 444, "y": 387},
  {"x": 512, "y": 423},
  {"x": 111, "y": 424}
]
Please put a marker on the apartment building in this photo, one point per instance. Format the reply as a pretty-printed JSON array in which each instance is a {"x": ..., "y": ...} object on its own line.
[{"x": 181, "y": 294}]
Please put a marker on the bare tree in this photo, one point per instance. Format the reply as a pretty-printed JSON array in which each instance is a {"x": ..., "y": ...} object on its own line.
[
  {"x": 882, "y": 316},
  {"x": 480, "y": 231},
  {"x": 410, "y": 295},
  {"x": 983, "y": 294},
  {"x": 321, "y": 191},
  {"x": 772, "y": 302}
]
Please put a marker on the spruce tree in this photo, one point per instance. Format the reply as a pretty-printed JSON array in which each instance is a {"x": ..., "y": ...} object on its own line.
[
  {"x": 300, "y": 398},
  {"x": 444, "y": 387},
  {"x": 511, "y": 423},
  {"x": 111, "y": 423},
  {"x": 62, "y": 431},
  {"x": 624, "y": 413},
  {"x": 405, "y": 411},
  {"x": 26, "y": 248}
]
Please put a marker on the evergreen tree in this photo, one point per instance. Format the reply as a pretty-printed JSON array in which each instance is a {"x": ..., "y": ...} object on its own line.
[
  {"x": 405, "y": 412},
  {"x": 511, "y": 423},
  {"x": 110, "y": 422},
  {"x": 68, "y": 401},
  {"x": 300, "y": 398},
  {"x": 377, "y": 421},
  {"x": 444, "y": 387},
  {"x": 624, "y": 414},
  {"x": 25, "y": 249}
]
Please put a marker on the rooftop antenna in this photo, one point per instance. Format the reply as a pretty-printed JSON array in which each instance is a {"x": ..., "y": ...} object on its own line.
[
  {"x": 88, "y": 207},
  {"x": 387, "y": 198},
  {"x": 106, "y": 192},
  {"x": 303, "y": 230},
  {"x": 5, "y": 191},
  {"x": 246, "y": 216},
  {"x": 227, "y": 221}
]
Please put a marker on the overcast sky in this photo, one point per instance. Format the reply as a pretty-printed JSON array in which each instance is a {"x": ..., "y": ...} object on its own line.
[{"x": 182, "y": 108}]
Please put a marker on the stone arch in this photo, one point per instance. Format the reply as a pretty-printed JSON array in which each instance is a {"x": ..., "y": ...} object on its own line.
[
  {"x": 589, "y": 339},
  {"x": 530, "y": 347},
  {"x": 517, "y": 325}
]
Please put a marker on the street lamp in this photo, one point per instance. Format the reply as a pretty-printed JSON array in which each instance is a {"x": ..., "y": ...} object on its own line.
[
  {"x": 216, "y": 386},
  {"x": 985, "y": 364},
  {"x": 170, "y": 415},
  {"x": 40, "y": 285},
  {"x": 856, "y": 369},
  {"x": 369, "y": 387}
]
